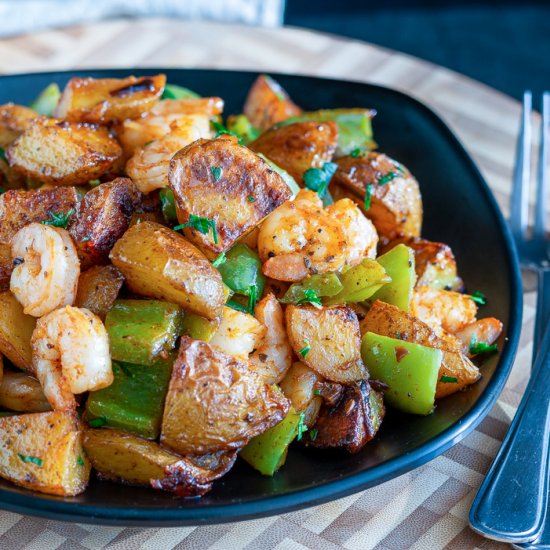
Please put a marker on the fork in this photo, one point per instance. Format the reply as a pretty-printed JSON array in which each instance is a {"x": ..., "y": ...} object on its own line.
[{"x": 510, "y": 505}]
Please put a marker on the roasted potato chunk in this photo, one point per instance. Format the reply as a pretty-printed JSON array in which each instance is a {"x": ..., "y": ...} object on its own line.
[
  {"x": 6, "y": 266},
  {"x": 391, "y": 321},
  {"x": 63, "y": 153},
  {"x": 333, "y": 338},
  {"x": 352, "y": 422},
  {"x": 299, "y": 146},
  {"x": 215, "y": 402},
  {"x": 227, "y": 184},
  {"x": 435, "y": 263},
  {"x": 396, "y": 204},
  {"x": 14, "y": 120},
  {"x": 19, "y": 208},
  {"x": 23, "y": 393},
  {"x": 43, "y": 452},
  {"x": 103, "y": 216},
  {"x": 121, "y": 456},
  {"x": 103, "y": 100},
  {"x": 160, "y": 263},
  {"x": 98, "y": 288},
  {"x": 15, "y": 332},
  {"x": 267, "y": 103}
]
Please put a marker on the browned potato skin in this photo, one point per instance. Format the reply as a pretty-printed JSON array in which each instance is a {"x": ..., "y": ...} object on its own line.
[
  {"x": 23, "y": 393},
  {"x": 98, "y": 288},
  {"x": 267, "y": 103},
  {"x": 15, "y": 332},
  {"x": 103, "y": 100},
  {"x": 435, "y": 263},
  {"x": 228, "y": 201},
  {"x": 396, "y": 206},
  {"x": 124, "y": 457},
  {"x": 160, "y": 263},
  {"x": 14, "y": 120},
  {"x": 389, "y": 320},
  {"x": 216, "y": 402},
  {"x": 63, "y": 153},
  {"x": 334, "y": 338},
  {"x": 10, "y": 178},
  {"x": 352, "y": 422},
  {"x": 6, "y": 266},
  {"x": 56, "y": 439},
  {"x": 20, "y": 207},
  {"x": 299, "y": 146},
  {"x": 103, "y": 216}
]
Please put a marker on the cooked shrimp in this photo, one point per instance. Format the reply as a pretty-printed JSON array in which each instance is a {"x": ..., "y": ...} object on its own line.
[
  {"x": 149, "y": 165},
  {"x": 273, "y": 357},
  {"x": 70, "y": 355},
  {"x": 485, "y": 330},
  {"x": 443, "y": 309},
  {"x": 301, "y": 237},
  {"x": 46, "y": 273}
]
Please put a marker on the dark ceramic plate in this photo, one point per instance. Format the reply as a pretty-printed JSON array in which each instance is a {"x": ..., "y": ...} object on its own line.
[{"x": 459, "y": 209}]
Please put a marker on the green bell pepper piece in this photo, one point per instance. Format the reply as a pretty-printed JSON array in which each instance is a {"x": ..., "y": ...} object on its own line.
[
  {"x": 168, "y": 203},
  {"x": 360, "y": 282},
  {"x": 173, "y": 91},
  {"x": 327, "y": 284},
  {"x": 197, "y": 327},
  {"x": 142, "y": 331},
  {"x": 288, "y": 179},
  {"x": 242, "y": 270},
  {"x": 354, "y": 127},
  {"x": 399, "y": 265},
  {"x": 410, "y": 370},
  {"x": 240, "y": 125},
  {"x": 134, "y": 402},
  {"x": 267, "y": 451},
  {"x": 47, "y": 101}
]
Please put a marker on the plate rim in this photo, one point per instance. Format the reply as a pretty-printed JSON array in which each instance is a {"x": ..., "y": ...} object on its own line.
[{"x": 60, "y": 510}]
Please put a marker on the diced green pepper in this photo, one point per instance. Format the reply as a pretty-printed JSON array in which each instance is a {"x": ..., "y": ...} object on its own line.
[
  {"x": 289, "y": 180},
  {"x": 399, "y": 265},
  {"x": 134, "y": 402},
  {"x": 327, "y": 284},
  {"x": 142, "y": 331},
  {"x": 47, "y": 101},
  {"x": 197, "y": 327},
  {"x": 410, "y": 370},
  {"x": 168, "y": 206},
  {"x": 360, "y": 282},
  {"x": 242, "y": 270},
  {"x": 267, "y": 452},
  {"x": 173, "y": 91},
  {"x": 240, "y": 125},
  {"x": 354, "y": 127}
]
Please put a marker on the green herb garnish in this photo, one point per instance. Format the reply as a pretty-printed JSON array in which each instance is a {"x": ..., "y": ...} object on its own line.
[
  {"x": 359, "y": 152},
  {"x": 317, "y": 393},
  {"x": 59, "y": 219},
  {"x": 250, "y": 198},
  {"x": 313, "y": 434},
  {"x": 302, "y": 428},
  {"x": 305, "y": 350},
  {"x": 477, "y": 348},
  {"x": 310, "y": 297},
  {"x": 2, "y": 190},
  {"x": 3, "y": 155},
  {"x": 448, "y": 379},
  {"x": 202, "y": 225},
  {"x": 216, "y": 172},
  {"x": 233, "y": 304},
  {"x": 31, "y": 459},
  {"x": 86, "y": 239},
  {"x": 252, "y": 298},
  {"x": 387, "y": 178},
  {"x": 317, "y": 179},
  {"x": 221, "y": 130},
  {"x": 94, "y": 183},
  {"x": 221, "y": 259},
  {"x": 368, "y": 195},
  {"x": 97, "y": 422},
  {"x": 80, "y": 461},
  {"x": 478, "y": 297}
]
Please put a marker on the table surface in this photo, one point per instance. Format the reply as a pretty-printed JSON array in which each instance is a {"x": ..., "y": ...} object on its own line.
[{"x": 426, "y": 508}]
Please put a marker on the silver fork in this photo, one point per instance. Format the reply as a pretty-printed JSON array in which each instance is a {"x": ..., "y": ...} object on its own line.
[{"x": 511, "y": 503}]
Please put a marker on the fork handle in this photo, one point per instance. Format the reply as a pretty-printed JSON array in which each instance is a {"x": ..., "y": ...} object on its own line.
[
  {"x": 543, "y": 307},
  {"x": 511, "y": 503}
]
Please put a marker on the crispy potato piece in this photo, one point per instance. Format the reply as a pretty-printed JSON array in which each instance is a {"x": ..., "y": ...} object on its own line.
[
  {"x": 391, "y": 321},
  {"x": 102, "y": 100},
  {"x": 215, "y": 402},
  {"x": 332, "y": 333},
  {"x": 14, "y": 120},
  {"x": 43, "y": 452},
  {"x": 15, "y": 332},
  {"x": 6, "y": 266},
  {"x": 23, "y": 393},
  {"x": 435, "y": 263},
  {"x": 222, "y": 181},
  {"x": 19, "y": 208},
  {"x": 160, "y": 263},
  {"x": 63, "y": 153},
  {"x": 120, "y": 456},
  {"x": 98, "y": 288},
  {"x": 353, "y": 422},
  {"x": 299, "y": 146},
  {"x": 103, "y": 216},
  {"x": 10, "y": 178},
  {"x": 396, "y": 204},
  {"x": 267, "y": 103}
]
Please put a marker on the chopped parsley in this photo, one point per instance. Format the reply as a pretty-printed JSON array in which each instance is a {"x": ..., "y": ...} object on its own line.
[
  {"x": 80, "y": 461},
  {"x": 233, "y": 304},
  {"x": 216, "y": 172},
  {"x": 252, "y": 299},
  {"x": 317, "y": 179},
  {"x": 478, "y": 297},
  {"x": 97, "y": 422},
  {"x": 305, "y": 350},
  {"x": 85, "y": 239},
  {"x": 2, "y": 190},
  {"x": 302, "y": 428},
  {"x": 359, "y": 152},
  {"x": 313, "y": 434},
  {"x": 368, "y": 195},
  {"x": 221, "y": 259},
  {"x": 387, "y": 178},
  {"x": 448, "y": 379},
  {"x": 222, "y": 130},
  {"x": 310, "y": 297},
  {"x": 94, "y": 183},
  {"x": 59, "y": 219},
  {"x": 31, "y": 459},
  {"x": 317, "y": 393},
  {"x": 250, "y": 198},
  {"x": 477, "y": 348},
  {"x": 3, "y": 155},
  {"x": 202, "y": 225}
]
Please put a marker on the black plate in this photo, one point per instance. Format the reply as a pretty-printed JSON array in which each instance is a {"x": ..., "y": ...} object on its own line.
[{"x": 459, "y": 209}]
